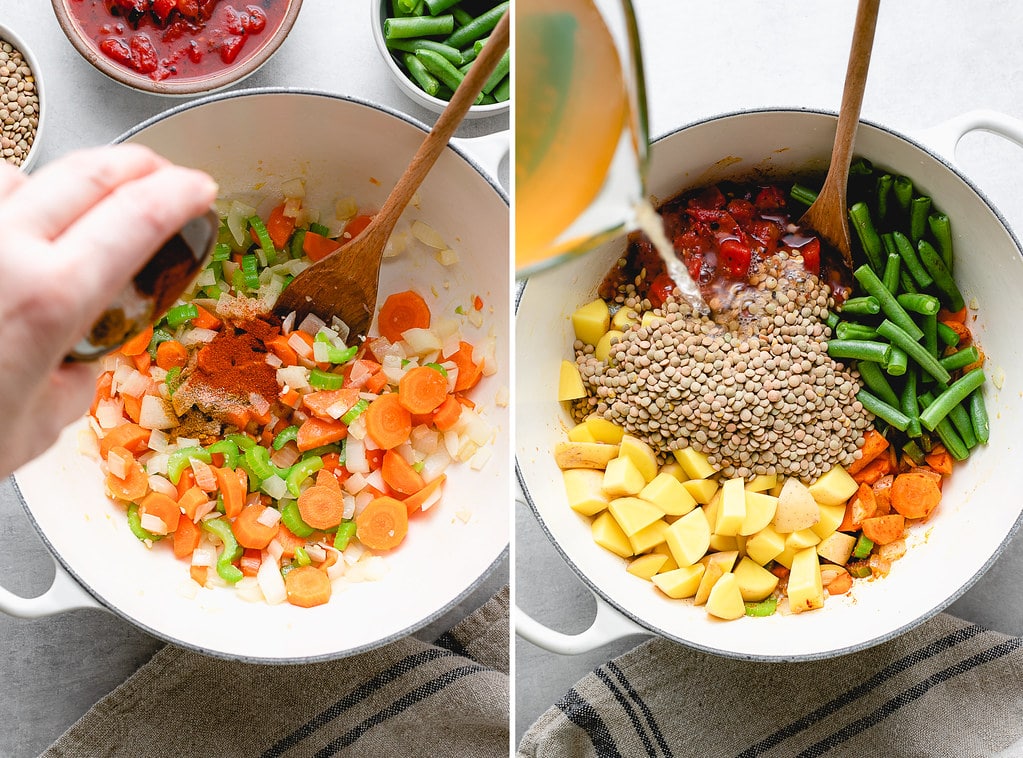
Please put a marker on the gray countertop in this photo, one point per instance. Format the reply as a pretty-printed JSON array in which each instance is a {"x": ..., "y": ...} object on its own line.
[
  {"x": 932, "y": 60},
  {"x": 52, "y": 670}
]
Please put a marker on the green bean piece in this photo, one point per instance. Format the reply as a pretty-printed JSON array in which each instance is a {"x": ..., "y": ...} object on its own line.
[
  {"x": 861, "y": 167},
  {"x": 948, "y": 336},
  {"x": 477, "y": 46},
  {"x": 929, "y": 324},
  {"x": 400, "y": 9},
  {"x": 490, "y": 99},
  {"x": 941, "y": 230},
  {"x": 453, "y": 54},
  {"x": 426, "y": 81},
  {"x": 960, "y": 358},
  {"x": 439, "y": 6},
  {"x": 866, "y": 305},
  {"x": 135, "y": 525},
  {"x": 479, "y": 27},
  {"x": 464, "y": 68},
  {"x": 831, "y": 320},
  {"x": 907, "y": 282},
  {"x": 895, "y": 312},
  {"x": 870, "y": 241},
  {"x": 860, "y": 350},
  {"x": 877, "y": 382},
  {"x": 900, "y": 338},
  {"x": 918, "y": 211},
  {"x": 979, "y": 417},
  {"x": 912, "y": 449},
  {"x": 850, "y": 330},
  {"x": 883, "y": 410},
  {"x": 232, "y": 551},
  {"x": 462, "y": 16},
  {"x": 469, "y": 54},
  {"x": 918, "y": 302},
  {"x": 960, "y": 418},
  {"x": 761, "y": 608},
  {"x": 344, "y": 534},
  {"x": 284, "y": 436},
  {"x": 802, "y": 194},
  {"x": 892, "y": 268},
  {"x": 947, "y": 400},
  {"x": 301, "y": 471},
  {"x": 443, "y": 69},
  {"x": 943, "y": 280},
  {"x": 406, "y": 7},
  {"x": 902, "y": 188},
  {"x": 226, "y": 448},
  {"x": 499, "y": 73},
  {"x": 946, "y": 432},
  {"x": 418, "y": 26},
  {"x": 883, "y": 193},
  {"x": 898, "y": 363},
  {"x": 910, "y": 260},
  {"x": 292, "y": 518},
  {"x": 909, "y": 404}
]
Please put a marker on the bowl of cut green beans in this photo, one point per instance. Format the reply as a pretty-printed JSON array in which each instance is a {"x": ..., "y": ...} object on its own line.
[{"x": 429, "y": 45}]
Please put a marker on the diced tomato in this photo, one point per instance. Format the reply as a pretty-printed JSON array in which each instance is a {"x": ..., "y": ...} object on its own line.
[
  {"x": 735, "y": 258},
  {"x": 254, "y": 19},
  {"x": 765, "y": 232},
  {"x": 660, "y": 288},
  {"x": 706, "y": 215},
  {"x": 230, "y": 48},
  {"x": 162, "y": 9},
  {"x": 694, "y": 262},
  {"x": 116, "y": 50},
  {"x": 811, "y": 252},
  {"x": 711, "y": 199},
  {"x": 741, "y": 210},
  {"x": 770, "y": 197},
  {"x": 143, "y": 54}
]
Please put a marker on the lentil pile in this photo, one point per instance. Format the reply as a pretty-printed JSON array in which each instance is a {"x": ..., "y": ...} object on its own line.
[
  {"x": 19, "y": 105},
  {"x": 753, "y": 387}
]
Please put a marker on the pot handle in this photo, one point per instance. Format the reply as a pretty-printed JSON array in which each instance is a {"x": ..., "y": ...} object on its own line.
[
  {"x": 65, "y": 594},
  {"x": 944, "y": 137},
  {"x": 608, "y": 626},
  {"x": 489, "y": 150}
]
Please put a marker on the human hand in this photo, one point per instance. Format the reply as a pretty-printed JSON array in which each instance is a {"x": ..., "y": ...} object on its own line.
[{"x": 72, "y": 235}]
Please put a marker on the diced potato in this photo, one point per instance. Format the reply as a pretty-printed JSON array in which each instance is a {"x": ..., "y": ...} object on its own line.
[
  {"x": 603, "y": 430},
  {"x": 668, "y": 494},
  {"x": 584, "y": 454},
  {"x": 755, "y": 582},
  {"x": 785, "y": 557},
  {"x": 581, "y": 433},
  {"x": 624, "y": 318},
  {"x": 762, "y": 483},
  {"x": 834, "y": 487},
  {"x": 610, "y": 536},
  {"x": 702, "y": 490},
  {"x": 732, "y": 510},
  {"x": 641, "y": 454},
  {"x": 760, "y": 510},
  {"x": 650, "y": 318},
  {"x": 570, "y": 382},
  {"x": 802, "y": 538},
  {"x": 648, "y": 537},
  {"x": 675, "y": 469},
  {"x": 725, "y": 601},
  {"x": 633, "y": 514},
  {"x": 777, "y": 488},
  {"x": 671, "y": 564},
  {"x": 680, "y": 583},
  {"x": 805, "y": 589},
  {"x": 603, "y": 347},
  {"x": 716, "y": 565},
  {"x": 621, "y": 478},
  {"x": 647, "y": 565},
  {"x": 584, "y": 490},
  {"x": 695, "y": 463},
  {"x": 796, "y": 508},
  {"x": 765, "y": 545},
  {"x": 689, "y": 538},
  {"x": 831, "y": 517},
  {"x": 710, "y": 510},
  {"x": 837, "y": 547},
  {"x": 591, "y": 321},
  {"x": 722, "y": 543}
]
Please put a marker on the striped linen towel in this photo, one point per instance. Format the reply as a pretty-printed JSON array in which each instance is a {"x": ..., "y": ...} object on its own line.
[
  {"x": 406, "y": 699},
  {"x": 946, "y": 688}
]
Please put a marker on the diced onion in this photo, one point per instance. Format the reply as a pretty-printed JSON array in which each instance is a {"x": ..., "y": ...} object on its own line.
[
  {"x": 343, "y": 330},
  {"x": 296, "y": 377},
  {"x": 451, "y": 442},
  {"x": 157, "y": 464},
  {"x": 353, "y": 553},
  {"x": 427, "y": 235},
  {"x": 152, "y": 523},
  {"x": 489, "y": 356},
  {"x": 292, "y": 207},
  {"x": 286, "y": 456},
  {"x": 435, "y": 464},
  {"x": 316, "y": 552},
  {"x": 205, "y": 479},
  {"x": 288, "y": 324},
  {"x": 477, "y": 429},
  {"x": 160, "y": 483},
  {"x": 270, "y": 581},
  {"x": 300, "y": 346},
  {"x": 349, "y": 506},
  {"x": 156, "y": 413},
  {"x": 259, "y": 403},
  {"x": 273, "y": 361},
  {"x": 118, "y": 464},
  {"x": 293, "y": 188},
  {"x": 269, "y": 516},
  {"x": 203, "y": 510},
  {"x": 237, "y": 221},
  {"x": 275, "y": 549},
  {"x": 359, "y": 374},
  {"x": 375, "y": 568},
  {"x": 110, "y": 413},
  {"x": 421, "y": 341},
  {"x": 432, "y": 499},
  {"x": 356, "y": 482},
  {"x": 375, "y": 479},
  {"x": 205, "y": 554},
  {"x": 276, "y": 488},
  {"x": 448, "y": 257},
  {"x": 249, "y": 590},
  {"x": 158, "y": 441},
  {"x": 345, "y": 208},
  {"x": 197, "y": 336},
  {"x": 480, "y": 458},
  {"x": 311, "y": 324},
  {"x": 135, "y": 384},
  {"x": 502, "y": 397},
  {"x": 337, "y": 568}
]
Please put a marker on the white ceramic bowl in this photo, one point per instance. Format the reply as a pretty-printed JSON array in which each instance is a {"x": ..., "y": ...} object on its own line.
[
  {"x": 6, "y": 33},
  {"x": 379, "y": 10},
  {"x": 251, "y": 142},
  {"x": 980, "y": 508}
]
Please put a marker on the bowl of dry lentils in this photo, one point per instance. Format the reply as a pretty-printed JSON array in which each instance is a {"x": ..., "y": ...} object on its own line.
[{"x": 21, "y": 101}]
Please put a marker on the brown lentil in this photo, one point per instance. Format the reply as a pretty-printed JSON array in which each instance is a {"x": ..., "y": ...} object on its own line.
[
  {"x": 752, "y": 387},
  {"x": 19, "y": 105}
]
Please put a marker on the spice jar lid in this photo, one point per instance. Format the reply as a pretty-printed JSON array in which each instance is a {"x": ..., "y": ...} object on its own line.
[{"x": 22, "y": 102}]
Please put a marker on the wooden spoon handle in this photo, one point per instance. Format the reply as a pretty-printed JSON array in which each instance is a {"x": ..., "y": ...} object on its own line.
[{"x": 446, "y": 125}]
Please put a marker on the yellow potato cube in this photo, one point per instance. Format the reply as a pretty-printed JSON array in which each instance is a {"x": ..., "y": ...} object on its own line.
[
  {"x": 633, "y": 514},
  {"x": 725, "y": 600},
  {"x": 680, "y": 583},
  {"x": 689, "y": 538},
  {"x": 762, "y": 483},
  {"x": 765, "y": 545},
  {"x": 641, "y": 454},
  {"x": 581, "y": 433},
  {"x": 710, "y": 510},
  {"x": 603, "y": 349},
  {"x": 621, "y": 478},
  {"x": 831, "y": 517},
  {"x": 732, "y": 510},
  {"x": 570, "y": 382},
  {"x": 670, "y": 564},
  {"x": 805, "y": 588},
  {"x": 624, "y": 318},
  {"x": 584, "y": 454},
  {"x": 610, "y": 536},
  {"x": 702, "y": 490},
  {"x": 716, "y": 565},
  {"x": 721, "y": 543},
  {"x": 760, "y": 510},
  {"x": 796, "y": 508},
  {"x": 695, "y": 463},
  {"x": 584, "y": 490},
  {"x": 837, "y": 547},
  {"x": 675, "y": 470},
  {"x": 648, "y": 537},
  {"x": 834, "y": 487},
  {"x": 755, "y": 582},
  {"x": 801, "y": 539},
  {"x": 603, "y": 430},
  {"x": 591, "y": 321},
  {"x": 650, "y": 318},
  {"x": 668, "y": 494},
  {"x": 646, "y": 565}
]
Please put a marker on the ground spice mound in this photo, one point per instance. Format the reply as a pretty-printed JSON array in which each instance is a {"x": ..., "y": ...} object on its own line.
[{"x": 753, "y": 388}]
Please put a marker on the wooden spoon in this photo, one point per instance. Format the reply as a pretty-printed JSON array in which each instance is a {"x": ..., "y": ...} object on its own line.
[
  {"x": 828, "y": 216},
  {"x": 344, "y": 284}
]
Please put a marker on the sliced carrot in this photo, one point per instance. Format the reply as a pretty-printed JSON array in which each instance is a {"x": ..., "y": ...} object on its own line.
[
  {"x": 469, "y": 372},
  {"x": 883, "y": 494},
  {"x": 186, "y": 538},
  {"x": 249, "y": 532},
  {"x": 447, "y": 415},
  {"x": 402, "y": 311},
  {"x": 874, "y": 443},
  {"x": 399, "y": 475},
  {"x": 205, "y": 319},
  {"x": 356, "y": 226},
  {"x": 143, "y": 361},
  {"x": 861, "y": 506},
  {"x": 238, "y": 416},
  {"x": 171, "y": 353},
  {"x": 316, "y": 432},
  {"x": 233, "y": 485},
  {"x": 198, "y": 574},
  {"x": 884, "y": 529},
  {"x": 189, "y": 502},
  {"x": 318, "y": 403},
  {"x": 186, "y": 482},
  {"x": 307, "y": 586},
  {"x": 415, "y": 502},
  {"x": 132, "y": 407},
  {"x": 376, "y": 382},
  {"x": 279, "y": 346},
  {"x": 138, "y": 343},
  {"x": 388, "y": 422},
  {"x": 289, "y": 541},
  {"x": 382, "y": 524},
  {"x": 290, "y": 397},
  {"x": 321, "y": 507},
  {"x": 104, "y": 382},
  {"x": 249, "y": 562},
  {"x": 840, "y": 584},
  {"x": 939, "y": 460},
  {"x": 278, "y": 226},
  {"x": 134, "y": 485},
  {"x": 874, "y": 470},
  {"x": 422, "y": 389},
  {"x": 317, "y": 247},
  {"x": 947, "y": 315},
  {"x": 163, "y": 507},
  {"x": 131, "y": 436},
  {"x": 331, "y": 462},
  {"x": 915, "y": 495},
  {"x": 325, "y": 478}
]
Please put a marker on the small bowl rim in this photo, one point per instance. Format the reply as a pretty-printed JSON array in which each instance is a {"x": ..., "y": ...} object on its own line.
[
  {"x": 174, "y": 87},
  {"x": 434, "y": 104},
  {"x": 10, "y": 35}
]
